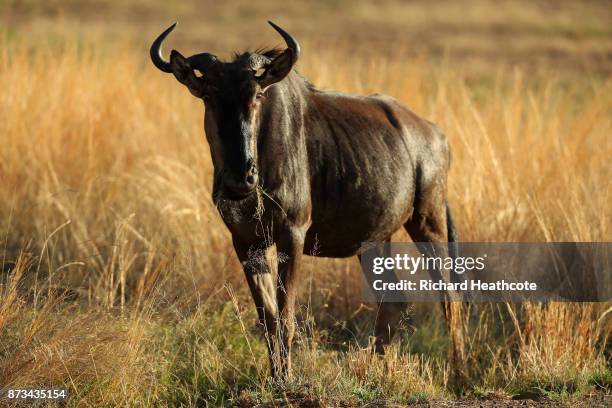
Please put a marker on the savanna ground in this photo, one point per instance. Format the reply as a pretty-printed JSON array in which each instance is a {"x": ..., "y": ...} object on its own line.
[{"x": 118, "y": 280}]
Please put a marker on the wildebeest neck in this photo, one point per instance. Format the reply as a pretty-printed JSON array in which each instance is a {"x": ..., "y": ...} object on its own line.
[{"x": 281, "y": 143}]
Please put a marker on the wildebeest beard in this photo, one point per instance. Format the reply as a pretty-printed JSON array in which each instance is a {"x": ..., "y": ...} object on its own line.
[{"x": 239, "y": 211}]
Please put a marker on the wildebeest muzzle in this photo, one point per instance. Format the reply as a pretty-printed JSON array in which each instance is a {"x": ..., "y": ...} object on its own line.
[{"x": 240, "y": 184}]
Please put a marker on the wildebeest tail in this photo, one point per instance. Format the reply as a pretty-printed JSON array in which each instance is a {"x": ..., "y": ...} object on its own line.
[
  {"x": 453, "y": 237},
  {"x": 450, "y": 226}
]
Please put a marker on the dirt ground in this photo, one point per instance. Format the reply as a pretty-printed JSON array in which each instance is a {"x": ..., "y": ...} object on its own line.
[{"x": 596, "y": 400}]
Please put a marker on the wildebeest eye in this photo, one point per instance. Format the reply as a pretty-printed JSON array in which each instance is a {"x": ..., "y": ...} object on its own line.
[{"x": 260, "y": 95}]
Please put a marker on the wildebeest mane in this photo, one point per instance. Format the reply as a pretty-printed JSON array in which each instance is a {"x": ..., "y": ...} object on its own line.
[{"x": 265, "y": 51}]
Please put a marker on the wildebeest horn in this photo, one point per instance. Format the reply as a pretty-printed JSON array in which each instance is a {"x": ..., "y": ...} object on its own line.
[
  {"x": 199, "y": 60},
  {"x": 291, "y": 42},
  {"x": 156, "y": 52}
]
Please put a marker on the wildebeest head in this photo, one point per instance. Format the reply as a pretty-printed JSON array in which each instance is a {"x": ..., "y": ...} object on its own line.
[{"x": 233, "y": 93}]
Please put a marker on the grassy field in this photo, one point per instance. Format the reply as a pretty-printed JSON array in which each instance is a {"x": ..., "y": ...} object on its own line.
[{"x": 118, "y": 279}]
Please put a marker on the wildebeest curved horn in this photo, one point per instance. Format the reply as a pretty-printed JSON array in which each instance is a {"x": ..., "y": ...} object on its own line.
[
  {"x": 291, "y": 42},
  {"x": 156, "y": 52}
]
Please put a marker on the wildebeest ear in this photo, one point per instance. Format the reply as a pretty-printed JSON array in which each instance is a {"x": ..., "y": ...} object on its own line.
[
  {"x": 277, "y": 69},
  {"x": 183, "y": 72}
]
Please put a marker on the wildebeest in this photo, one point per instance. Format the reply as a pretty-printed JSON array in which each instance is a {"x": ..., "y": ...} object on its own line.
[{"x": 310, "y": 172}]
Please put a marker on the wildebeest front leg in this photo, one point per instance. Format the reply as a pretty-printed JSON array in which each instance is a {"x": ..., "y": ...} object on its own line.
[
  {"x": 289, "y": 247},
  {"x": 259, "y": 276}
]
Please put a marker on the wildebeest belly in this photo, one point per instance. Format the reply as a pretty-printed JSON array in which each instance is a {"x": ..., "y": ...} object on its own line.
[{"x": 358, "y": 209}]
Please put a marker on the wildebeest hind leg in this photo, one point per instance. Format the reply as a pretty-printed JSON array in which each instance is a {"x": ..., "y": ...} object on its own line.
[
  {"x": 428, "y": 225},
  {"x": 388, "y": 318},
  {"x": 388, "y": 313}
]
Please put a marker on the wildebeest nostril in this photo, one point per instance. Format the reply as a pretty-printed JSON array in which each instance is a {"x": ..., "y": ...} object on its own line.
[
  {"x": 251, "y": 175},
  {"x": 240, "y": 184}
]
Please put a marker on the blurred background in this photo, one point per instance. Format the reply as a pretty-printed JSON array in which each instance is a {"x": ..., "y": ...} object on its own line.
[
  {"x": 118, "y": 280},
  {"x": 568, "y": 35}
]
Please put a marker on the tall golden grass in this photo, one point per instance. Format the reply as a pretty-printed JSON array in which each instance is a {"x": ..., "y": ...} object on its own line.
[{"x": 119, "y": 282}]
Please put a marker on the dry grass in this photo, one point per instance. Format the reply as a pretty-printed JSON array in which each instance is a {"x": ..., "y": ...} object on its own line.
[{"x": 116, "y": 266}]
